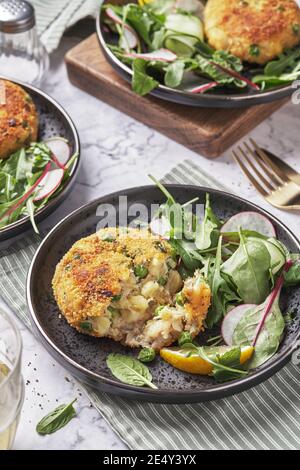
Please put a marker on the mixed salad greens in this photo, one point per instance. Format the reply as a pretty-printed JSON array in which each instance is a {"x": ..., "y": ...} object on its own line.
[
  {"x": 163, "y": 43},
  {"x": 246, "y": 267},
  {"x": 31, "y": 177}
]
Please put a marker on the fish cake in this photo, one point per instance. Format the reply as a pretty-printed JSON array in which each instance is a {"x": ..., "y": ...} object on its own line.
[
  {"x": 256, "y": 31},
  {"x": 123, "y": 285},
  {"x": 18, "y": 119}
]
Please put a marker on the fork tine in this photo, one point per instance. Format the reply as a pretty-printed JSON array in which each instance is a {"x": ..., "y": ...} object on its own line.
[
  {"x": 258, "y": 187},
  {"x": 255, "y": 170},
  {"x": 276, "y": 180},
  {"x": 278, "y": 172}
]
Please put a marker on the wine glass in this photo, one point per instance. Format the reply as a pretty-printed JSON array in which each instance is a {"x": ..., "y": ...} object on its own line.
[{"x": 11, "y": 381}]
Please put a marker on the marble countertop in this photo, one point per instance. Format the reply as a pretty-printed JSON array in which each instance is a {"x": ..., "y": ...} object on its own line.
[{"x": 117, "y": 153}]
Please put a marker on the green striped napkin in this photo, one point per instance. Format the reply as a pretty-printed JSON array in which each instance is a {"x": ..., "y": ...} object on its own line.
[
  {"x": 265, "y": 417},
  {"x": 55, "y": 16}
]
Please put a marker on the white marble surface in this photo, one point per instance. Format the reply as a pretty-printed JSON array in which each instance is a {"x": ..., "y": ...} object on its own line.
[{"x": 118, "y": 152}]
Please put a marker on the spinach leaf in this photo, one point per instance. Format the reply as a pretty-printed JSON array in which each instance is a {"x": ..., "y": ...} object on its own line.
[
  {"x": 174, "y": 73},
  {"x": 249, "y": 270},
  {"x": 57, "y": 419},
  {"x": 142, "y": 83},
  {"x": 129, "y": 370},
  {"x": 263, "y": 326},
  {"x": 270, "y": 336},
  {"x": 292, "y": 277}
]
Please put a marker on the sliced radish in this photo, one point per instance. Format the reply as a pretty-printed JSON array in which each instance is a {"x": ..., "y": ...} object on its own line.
[
  {"x": 60, "y": 150},
  {"x": 130, "y": 39},
  {"x": 250, "y": 221},
  {"x": 28, "y": 193},
  {"x": 49, "y": 184},
  {"x": 160, "y": 226},
  {"x": 203, "y": 88},
  {"x": 161, "y": 55},
  {"x": 231, "y": 321}
]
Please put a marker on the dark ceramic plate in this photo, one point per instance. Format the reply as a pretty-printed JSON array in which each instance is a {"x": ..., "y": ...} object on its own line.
[
  {"x": 54, "y": 121},
  {"x": 220, "y": 99},
  {"x": 85, "y": 357}
]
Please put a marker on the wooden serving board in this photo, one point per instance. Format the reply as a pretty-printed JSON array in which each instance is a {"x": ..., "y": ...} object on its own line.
[{"x": 204, "y": 130}]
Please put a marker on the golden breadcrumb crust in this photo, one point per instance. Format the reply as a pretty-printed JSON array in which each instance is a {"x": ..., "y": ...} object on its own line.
[
  {"x": 256, "y": 31},
  {"x": 93, "y": 271},
  {"x": 18, "y": 119}
]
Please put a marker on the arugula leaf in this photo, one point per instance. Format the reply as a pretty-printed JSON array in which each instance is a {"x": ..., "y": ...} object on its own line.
[
  {"x": 288, "y": 59},
  {"x": 57, "y": 419},
  {"x": 226, "y": 367},
  {"x": 187, "y": 254},
  {"x": 30, "y": 210},
  {"x": 142, "y": 83},
  {"x": 269, "y": 81},
  {"x": 140, "y": 20},
  {"x": 129, "y": 370},
  {"x": 207, "y": 233},
  {"x": 222, "y": 293},
  {"x": 249, "y": 270}
]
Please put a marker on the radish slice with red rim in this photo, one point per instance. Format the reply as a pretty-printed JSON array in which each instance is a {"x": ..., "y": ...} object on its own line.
[
  {"x": 202, "y": 88},
  {"x": 231, "y": 321},
  {"x": 49, "y": 184},
  {"x": 60, "y": 150},
  {"x": 161, "y": 55},
  {"x": 250, "y": 221},
  {"x": 130, "y": 39}
]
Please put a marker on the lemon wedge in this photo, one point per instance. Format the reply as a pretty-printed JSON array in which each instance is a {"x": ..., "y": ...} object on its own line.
[{"x": 194, "y": 364}]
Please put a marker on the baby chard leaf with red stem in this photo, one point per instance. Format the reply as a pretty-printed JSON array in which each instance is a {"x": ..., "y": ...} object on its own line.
[{"x": 263, "y": 326}]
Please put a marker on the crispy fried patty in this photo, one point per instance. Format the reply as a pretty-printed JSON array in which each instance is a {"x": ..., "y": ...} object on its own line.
[
  {"x": 18, "y": 119},
  {"x": 122, "y": 284},
  {"x": 254, "y": 30}
]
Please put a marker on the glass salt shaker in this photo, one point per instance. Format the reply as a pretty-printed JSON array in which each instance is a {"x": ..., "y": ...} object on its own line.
[{"x": 22, "y": 55}]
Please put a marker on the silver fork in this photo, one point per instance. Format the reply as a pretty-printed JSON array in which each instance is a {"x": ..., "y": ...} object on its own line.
[{"x": 270, "y": 181}]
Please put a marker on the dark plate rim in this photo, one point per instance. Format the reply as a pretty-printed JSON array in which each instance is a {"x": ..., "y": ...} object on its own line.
[
  {"x": 5, "y": 231},
  {"x": 215, "y": 391},
  {"x": 184, "y": 97}
]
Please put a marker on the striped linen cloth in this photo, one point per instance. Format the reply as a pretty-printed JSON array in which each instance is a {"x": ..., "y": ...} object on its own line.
[
  {"x": 265, "y": 417},
  {"x": 55, "y": 16}
]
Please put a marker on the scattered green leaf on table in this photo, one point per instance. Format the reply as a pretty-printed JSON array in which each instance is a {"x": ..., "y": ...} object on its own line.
[{"x": 56, "y": 419}]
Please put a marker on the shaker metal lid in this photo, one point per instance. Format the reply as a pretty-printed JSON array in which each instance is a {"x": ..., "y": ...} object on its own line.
[{"x": 16, "y": 16}]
